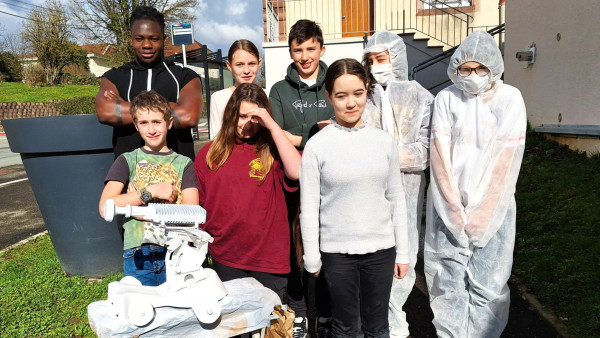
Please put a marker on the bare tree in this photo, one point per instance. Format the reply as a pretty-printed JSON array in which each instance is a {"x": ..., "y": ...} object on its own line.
[
  {"x": 2, "y": 38},
  {"x": 107, "y": 21},
  {"x": 47, "y": 32},
  {"x": 13, "y": 42}
]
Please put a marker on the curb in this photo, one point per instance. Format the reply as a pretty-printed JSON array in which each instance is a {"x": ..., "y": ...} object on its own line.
[
  {"x": 544, "y": 312},
  {"x": 28, "y": 239}
]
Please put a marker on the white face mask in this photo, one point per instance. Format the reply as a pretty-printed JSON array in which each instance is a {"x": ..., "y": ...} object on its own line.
[
  {"x": 382, "y": 73},
  {"x": 473, "y": 84}
]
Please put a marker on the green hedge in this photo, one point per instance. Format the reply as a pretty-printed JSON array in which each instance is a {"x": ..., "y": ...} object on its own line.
[{"x": 76, "y": 106}]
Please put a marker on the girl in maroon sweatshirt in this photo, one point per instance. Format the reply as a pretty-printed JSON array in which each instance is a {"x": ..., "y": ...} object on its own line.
[{"x": 242, "y": 175}]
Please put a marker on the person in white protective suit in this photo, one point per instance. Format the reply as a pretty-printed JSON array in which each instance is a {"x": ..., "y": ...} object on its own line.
[
  {"x": 477, "y": 142},
  {"x": 402, "y": 108}
]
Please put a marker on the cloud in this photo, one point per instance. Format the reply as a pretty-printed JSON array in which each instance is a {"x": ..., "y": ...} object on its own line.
[
  {"x": 202, "y": 5},
  {"x": 237, "y": 8},
  {"x": 223, "y": 35},
  {"x": 219, "y": 26}
]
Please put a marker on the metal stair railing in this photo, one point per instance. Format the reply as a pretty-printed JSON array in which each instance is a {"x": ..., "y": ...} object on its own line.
[
  {"x": 442, "y": 56},
  {"x": 455, "y": 24}
]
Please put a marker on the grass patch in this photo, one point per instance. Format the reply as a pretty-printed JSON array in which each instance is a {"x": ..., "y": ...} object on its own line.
[
  {"x": 558, "y": 237},
  {"x": 38, "y": 300},
  {"x": 20, "y": 92}
]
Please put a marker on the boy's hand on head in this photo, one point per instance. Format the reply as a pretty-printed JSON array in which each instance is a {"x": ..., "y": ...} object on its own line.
[{"x": 164, "y": 191}]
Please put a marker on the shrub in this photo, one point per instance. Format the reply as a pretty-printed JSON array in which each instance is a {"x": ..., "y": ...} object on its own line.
[
  {"x": 34, "y": 75},
  {"x": 73, "y": 79},
  {"x": 76, "y": 106},
  {"x": 11, "y": 69}
]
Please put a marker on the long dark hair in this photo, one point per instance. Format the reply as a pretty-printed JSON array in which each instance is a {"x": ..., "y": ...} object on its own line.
[
  {"x": 342, "y": 67},
  {"x": 222, "y": 146}
]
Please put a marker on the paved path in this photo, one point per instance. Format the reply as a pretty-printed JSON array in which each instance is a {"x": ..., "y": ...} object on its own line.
[{"x": 6, "y": 156}]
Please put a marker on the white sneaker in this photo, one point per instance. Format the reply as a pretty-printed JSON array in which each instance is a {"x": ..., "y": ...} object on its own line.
[{"x": 300, "y": 329}]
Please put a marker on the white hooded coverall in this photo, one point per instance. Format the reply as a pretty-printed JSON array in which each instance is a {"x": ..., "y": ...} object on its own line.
[
  {"x": 477, "y": 144},
  {"x": 403, "y": 109}
]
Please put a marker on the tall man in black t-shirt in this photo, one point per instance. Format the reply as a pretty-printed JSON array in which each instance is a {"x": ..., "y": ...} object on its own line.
[{"x": 181, "y": 86}]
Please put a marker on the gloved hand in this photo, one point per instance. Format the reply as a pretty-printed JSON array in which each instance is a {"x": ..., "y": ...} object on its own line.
[
  {"x": 458, "y": 217},
  {"x": 477, "y": 223}
]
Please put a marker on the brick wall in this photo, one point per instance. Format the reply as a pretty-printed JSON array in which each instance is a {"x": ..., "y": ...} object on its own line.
[{"x": 13, "y": 110}]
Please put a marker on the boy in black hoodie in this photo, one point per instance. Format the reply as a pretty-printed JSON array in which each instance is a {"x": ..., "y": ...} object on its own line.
[
  {"x": 181, "y": 86},
  {"x": 301, "y": 109}
]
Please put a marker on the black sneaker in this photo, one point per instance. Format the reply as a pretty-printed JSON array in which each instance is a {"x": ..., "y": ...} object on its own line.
[
  {"x": 300, "y": 327},
  {"x": 323, "y": 327}
]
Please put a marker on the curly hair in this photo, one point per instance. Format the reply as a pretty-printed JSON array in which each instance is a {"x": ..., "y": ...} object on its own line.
[
  {"x": 147, "y": 13},
  {"x": 150, "y": 100}
]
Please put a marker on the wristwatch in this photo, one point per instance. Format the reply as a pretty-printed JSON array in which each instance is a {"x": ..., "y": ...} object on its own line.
[{"x": 145, "y": 195}]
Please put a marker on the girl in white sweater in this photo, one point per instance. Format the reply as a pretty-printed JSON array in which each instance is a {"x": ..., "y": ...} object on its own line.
[
  {"x": 243, "y": 61},
  {"x": 353, "y": 217}
]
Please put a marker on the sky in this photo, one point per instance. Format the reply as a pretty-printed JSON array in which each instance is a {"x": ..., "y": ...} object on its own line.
[{"x": 218, "y": 22}]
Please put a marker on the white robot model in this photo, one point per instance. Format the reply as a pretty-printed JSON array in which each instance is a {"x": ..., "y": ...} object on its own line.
[{"x": 188, "y": 284}]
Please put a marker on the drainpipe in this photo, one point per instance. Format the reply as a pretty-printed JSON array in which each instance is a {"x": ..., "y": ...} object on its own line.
[{"x": 500, "y": 4}]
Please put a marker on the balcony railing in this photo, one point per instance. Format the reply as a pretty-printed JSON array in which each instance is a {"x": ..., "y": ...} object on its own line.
[{"x": 439, "y": 20}]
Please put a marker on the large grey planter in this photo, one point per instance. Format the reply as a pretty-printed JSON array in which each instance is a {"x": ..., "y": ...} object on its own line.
[{"x": 66, "y": 159}]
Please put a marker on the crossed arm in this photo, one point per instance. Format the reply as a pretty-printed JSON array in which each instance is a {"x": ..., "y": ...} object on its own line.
[{"x": 111, "y": 109}]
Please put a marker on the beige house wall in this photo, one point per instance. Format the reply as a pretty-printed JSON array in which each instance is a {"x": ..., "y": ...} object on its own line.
[
  {"x": 328, "y": 14},
  {"x": 487, "y": 14},
  {"x": 389, "y": 13},
  {"x": 98, "y": 65},
  {"x": 565, "y": 76}
]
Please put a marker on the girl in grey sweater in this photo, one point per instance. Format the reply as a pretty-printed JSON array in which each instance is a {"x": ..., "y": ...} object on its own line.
[{"x": 353, "y": 218}]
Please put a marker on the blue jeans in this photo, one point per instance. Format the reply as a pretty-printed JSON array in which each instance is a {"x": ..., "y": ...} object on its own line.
[{"x": 146, "y": 263}]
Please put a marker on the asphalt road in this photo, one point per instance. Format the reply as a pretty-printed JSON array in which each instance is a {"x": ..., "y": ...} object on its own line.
[{"x": 20, "y": 218}]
